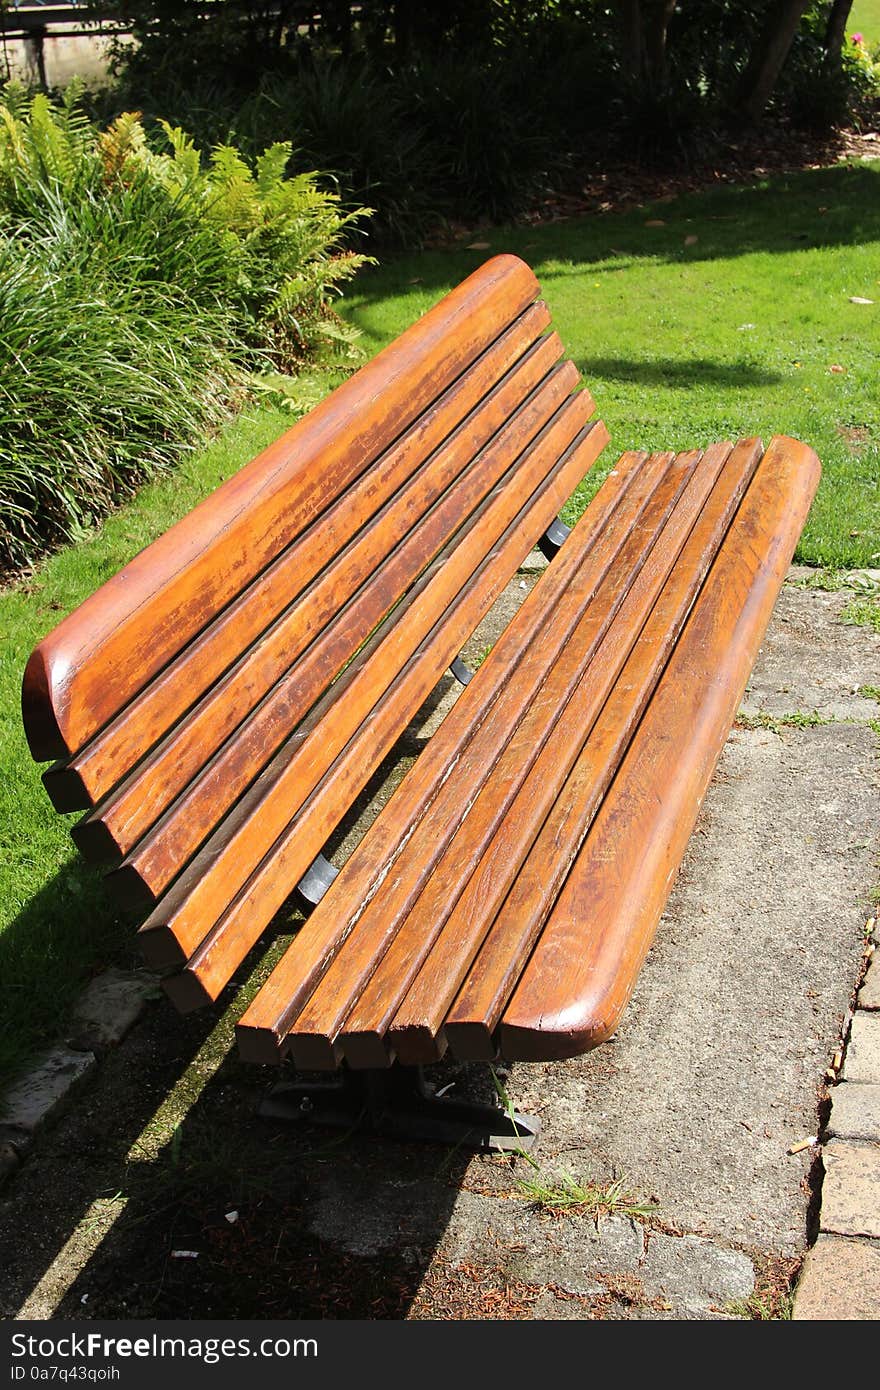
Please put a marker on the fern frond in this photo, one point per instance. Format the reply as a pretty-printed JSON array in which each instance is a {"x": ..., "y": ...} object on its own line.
[{"x": 123, "y": 146}]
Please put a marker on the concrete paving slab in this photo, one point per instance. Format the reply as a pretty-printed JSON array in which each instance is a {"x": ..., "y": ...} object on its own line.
[
  {"x": 855, "y": 1112},
  {"x": 851, "y": 1189},
  {"x": 798, "y": 670},
  {"x": 840, "y": 1281},
  {"x": 693, "y": 1273},
  {"x": 862, "y": 1061},
  {"x": 109, "y": 1006},
  {"x": 45, "y": 1088},
  {"x": 869, "y": 994}
]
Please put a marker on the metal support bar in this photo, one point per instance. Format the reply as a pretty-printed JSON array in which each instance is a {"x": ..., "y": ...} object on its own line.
[
  {"x": 463, "y": 674},
  {"x": 553, "y": 538},
  {"x": 317, "y": 879},
  {"x": 398, "y": 1103}
]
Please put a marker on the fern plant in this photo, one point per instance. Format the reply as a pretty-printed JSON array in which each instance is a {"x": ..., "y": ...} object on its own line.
[{"x": 144, "y": 290}]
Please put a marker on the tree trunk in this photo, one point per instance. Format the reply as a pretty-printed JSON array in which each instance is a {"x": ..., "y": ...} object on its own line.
[
  {"x": 632, "y": 48},
  {"x": 835, "y": 31},
  {"x": 643, "y": 25},
  {"x": 769, "y": 53},
  {"x": 659, "y": 13}
]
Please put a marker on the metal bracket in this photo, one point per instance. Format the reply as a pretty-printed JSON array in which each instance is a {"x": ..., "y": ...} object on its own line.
[
  {"x": 317, "y": 879},
  {"x": 398, "y": 1103},
  {"x": 463, "y": 674},
  {"x": 553, "y": 537}
]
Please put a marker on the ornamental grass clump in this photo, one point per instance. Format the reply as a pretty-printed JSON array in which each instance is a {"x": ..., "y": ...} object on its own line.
[{"x": 141, "y": 293}]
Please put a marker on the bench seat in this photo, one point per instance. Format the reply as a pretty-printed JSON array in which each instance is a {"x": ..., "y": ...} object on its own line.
[
  {"x": 505, "y": 898},
  {"x": 217, "y": 707}
]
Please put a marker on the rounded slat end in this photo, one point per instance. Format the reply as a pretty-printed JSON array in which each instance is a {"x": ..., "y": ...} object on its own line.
[{"x": 40, "y": 698}]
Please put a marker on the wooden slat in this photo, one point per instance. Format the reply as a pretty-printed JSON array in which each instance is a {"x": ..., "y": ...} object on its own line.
[
  {"x": 586, "y": 961},
  {"x": 369, "y": 977},
  {"x": 468, "y": 411},
  {"x": 303, "y": 836},
  {"x": 350, "y": 597},
  {"x": 448, "y": 944},
  {"x": 158, "y": 857},
  {"x": 95, "y": 661},
  {"x": 268, "y": 1018},
  {"x": 550, "y": 844}
]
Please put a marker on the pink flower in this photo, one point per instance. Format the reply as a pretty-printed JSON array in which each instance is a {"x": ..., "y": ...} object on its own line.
[{"x": 858, "y": 39}]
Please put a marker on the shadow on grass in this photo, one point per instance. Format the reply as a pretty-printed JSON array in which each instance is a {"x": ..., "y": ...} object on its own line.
[
  {"x": 662, "y": 371},
  {"x": 838, "y": 206},
  {"x": 66, "y": 933}
]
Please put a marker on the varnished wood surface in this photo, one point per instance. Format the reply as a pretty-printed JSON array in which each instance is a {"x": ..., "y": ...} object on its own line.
[
  {"x": 247, "y": 715},
  {"x": 266, "y": 1022},
  {"x": 222, "y": 701},
  {"x": 82, "y": 674},
  {"x": 401, "y": 689},
  {"x": 429, "y": 948},
  {"x": 269, "y": 611},
  {"x": 586, "y": 961},
  {"x": 360, "y": 992},
  {"x": 473, "y": 1017}
]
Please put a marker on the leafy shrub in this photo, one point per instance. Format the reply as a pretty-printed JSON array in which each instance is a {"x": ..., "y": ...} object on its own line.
[
  {"x": 489, "y": 155},
  {"x": 93, "y": 396},
  {"x": 138, "y": 293},
  {"x": 348, "y": 117}
]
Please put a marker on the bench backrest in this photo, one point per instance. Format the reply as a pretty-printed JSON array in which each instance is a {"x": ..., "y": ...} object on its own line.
[{"x": 221, "y": 701}]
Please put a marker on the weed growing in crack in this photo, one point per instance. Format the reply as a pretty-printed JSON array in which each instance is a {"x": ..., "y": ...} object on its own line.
[
  {"x": 797, "y": 719},
  {"x": 565, "y": 1193}
]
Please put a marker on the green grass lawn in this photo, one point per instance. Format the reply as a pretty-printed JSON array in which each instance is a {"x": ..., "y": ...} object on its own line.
[
  {"x": 865, "y": 19},
  {"x": 726, "y": 320},
  {"x": 723, "y": 321}
]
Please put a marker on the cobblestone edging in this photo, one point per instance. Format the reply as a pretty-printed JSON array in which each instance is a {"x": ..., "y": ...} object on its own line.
[
  {"x": 841, "y": 1274},
  {"x": 108, "y": 1007}
]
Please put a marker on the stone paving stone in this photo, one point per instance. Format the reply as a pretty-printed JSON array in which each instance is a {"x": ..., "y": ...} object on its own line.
[
  {"x": 45, "y": 1089},
  {"x": 9, "y": 1160},
  {"x": 862, "y": 1062},
  {"x": 108, "y": 1007},
  {"x": 869, "y": 994},
  {"x": 840, "y": 1281},
  {"x": 855, "y": 1112},
  {"x": 694, "y": 1273},
  {"x": 851, "y": 1189}
]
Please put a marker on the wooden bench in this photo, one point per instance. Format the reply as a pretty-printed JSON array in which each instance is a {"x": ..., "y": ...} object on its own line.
[{"x": 219, "y": 704}]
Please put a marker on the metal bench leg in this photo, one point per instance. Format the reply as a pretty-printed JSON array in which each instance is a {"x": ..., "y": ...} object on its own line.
[
  {"x": 317, "y": 879},
  {"x": 463, "y": 674},
  {"x": 398, "y": 1103},
  {"x": 553, "y": 537}
]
